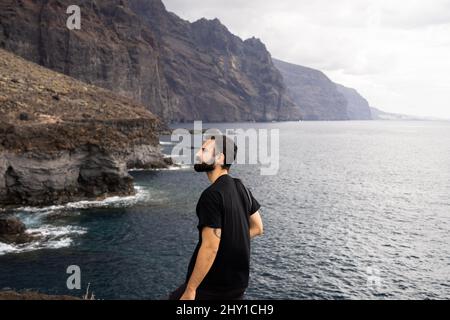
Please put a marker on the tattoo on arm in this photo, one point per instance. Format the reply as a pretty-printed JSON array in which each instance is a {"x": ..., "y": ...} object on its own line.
[{"x": 218, "y": 233}]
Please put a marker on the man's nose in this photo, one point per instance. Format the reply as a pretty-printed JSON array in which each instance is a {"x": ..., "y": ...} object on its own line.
[{"x": 198, "y": 155}]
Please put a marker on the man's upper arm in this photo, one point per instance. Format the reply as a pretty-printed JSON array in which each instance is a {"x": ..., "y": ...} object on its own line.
[
  {"x": 256, "y": 221},
  {"x": 211, "y": 238},
  {"x": 255, "y": 204},
  {"x": 209, "y": 210}
]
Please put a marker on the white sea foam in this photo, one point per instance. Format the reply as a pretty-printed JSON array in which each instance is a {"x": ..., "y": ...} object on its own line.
[
  {"x": 170, "y": 168},
  {"x": 166, "y": 143},
  {"x": 48, "y": 237},
  {"x": 6, "y": 248},
  {"x": 173, "y": 168},
  {"x": 55, "y": 237},
  {"x": 36, "y": 245},
  {"x": 51, "y": 232},
  {"x": 116, "y": 201}
]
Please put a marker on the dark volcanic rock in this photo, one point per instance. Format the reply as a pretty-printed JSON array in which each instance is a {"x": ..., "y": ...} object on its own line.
[
  {"x": 113, "y": 49},
  {"x": 31, "y": 295},
  {"x": 72, "y": 148},
  {"x": 181, "y": 71},
  {"x": 11, "y": 226},
  {"x": 357, "y": 106},
  {"x": 315, "y": 94},
  {"x": 12, "y": 230},
  {"x": 215, "y": 75}
]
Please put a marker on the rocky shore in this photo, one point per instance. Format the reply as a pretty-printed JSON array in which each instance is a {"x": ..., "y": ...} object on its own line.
[
  {"x": 12, "y": 230},
  {"x": 30, "y": 295},
  {"x": 62, "y": 140}
]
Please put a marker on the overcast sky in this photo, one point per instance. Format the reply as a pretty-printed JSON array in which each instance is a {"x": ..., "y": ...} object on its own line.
[{"x": 395, "y": 53}]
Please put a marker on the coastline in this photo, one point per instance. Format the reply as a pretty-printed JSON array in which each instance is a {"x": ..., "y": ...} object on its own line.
[{"x": 31, "y": 295}]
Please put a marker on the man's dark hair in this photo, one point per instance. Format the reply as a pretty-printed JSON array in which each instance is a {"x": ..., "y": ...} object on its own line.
[{"x": 225, "y": 145}]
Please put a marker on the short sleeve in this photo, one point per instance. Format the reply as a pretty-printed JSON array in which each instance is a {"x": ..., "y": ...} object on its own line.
[
  {"x": 255, "y": 204},
  {"x": 209, "y": 210}
]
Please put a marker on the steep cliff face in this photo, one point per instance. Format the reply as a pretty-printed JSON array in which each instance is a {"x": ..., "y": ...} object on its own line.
[
  {"x": 378, "y": 114},
  {"x": 357, "y": 106},
  {"x": 315, "y": 94},
  {"x": 181, "y": 71},
  {"x": 113, "y": 49},
  {"x": 62, "y": 140},
  {"x": 214, "y": 75}
]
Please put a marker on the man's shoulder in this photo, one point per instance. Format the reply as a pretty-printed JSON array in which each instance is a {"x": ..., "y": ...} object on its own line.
[
  {"x": 211, "y": 192},
  {"x": 210, "y": 198}
]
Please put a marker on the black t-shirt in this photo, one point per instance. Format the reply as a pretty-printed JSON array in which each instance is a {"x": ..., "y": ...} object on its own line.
[{"x": 225, "y": 204}]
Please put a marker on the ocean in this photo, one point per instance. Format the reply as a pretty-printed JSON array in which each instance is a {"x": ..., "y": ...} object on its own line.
[{"x": 357, "y": 210}]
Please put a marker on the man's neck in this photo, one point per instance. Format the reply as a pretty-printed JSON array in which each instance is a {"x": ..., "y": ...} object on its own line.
[{"x": 216, "y": 173}]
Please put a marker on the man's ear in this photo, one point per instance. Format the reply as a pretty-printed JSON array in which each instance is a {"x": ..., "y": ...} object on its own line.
[{"x": 220, "y": 159}]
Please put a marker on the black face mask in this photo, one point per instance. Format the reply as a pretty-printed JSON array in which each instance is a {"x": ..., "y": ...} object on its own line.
[{"x": 203, "y": 167}]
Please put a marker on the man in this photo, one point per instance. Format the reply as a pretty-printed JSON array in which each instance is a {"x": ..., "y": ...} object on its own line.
[{"x": 228, "y": 218}]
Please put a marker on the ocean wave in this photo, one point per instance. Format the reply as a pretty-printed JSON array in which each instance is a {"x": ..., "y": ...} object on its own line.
[
  {"x": 49, "y": 231},
  {"x": 166, "y": 143},
  {"x": 177, "y": 167},
  {"x": 48, "y": 237},
  {"x": 170, "y": 168},
  {"x": 116, "y": 201}
]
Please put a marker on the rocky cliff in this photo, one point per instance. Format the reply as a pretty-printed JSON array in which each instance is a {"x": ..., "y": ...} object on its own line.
[
  {"x": 181, "y": 71},
  {"x": 113, "y": 49},
  {"x": 378, "y": 114},
  {"x": 357, "y": 106},
  {"x": 315, "y": 94},
  {"x": 214, "y": 75},
  {"x": 321, "y": 99},
  {"x": 62, "y": 140}
]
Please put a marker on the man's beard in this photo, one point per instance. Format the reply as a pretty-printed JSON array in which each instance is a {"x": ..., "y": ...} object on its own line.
[{"x": 204, "y": 167}]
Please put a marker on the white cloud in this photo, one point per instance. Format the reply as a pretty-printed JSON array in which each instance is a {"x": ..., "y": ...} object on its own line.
[{"x": 395, "y": 53}]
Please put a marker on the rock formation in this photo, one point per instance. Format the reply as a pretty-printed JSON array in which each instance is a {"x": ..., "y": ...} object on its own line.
[
  {"x": 378, "y": 114},
  {"x": 315, "y": 94},
  {"x": 32, "y": 295},
  {"x": 180, "y": 71},
  {"x": 12, "y": 230},
  {"x": 321, "y": 99},
  {"x": 113, "y": 49},
  {"x": 62, "y": 140},
  {"x": 357, "y": 106}
]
